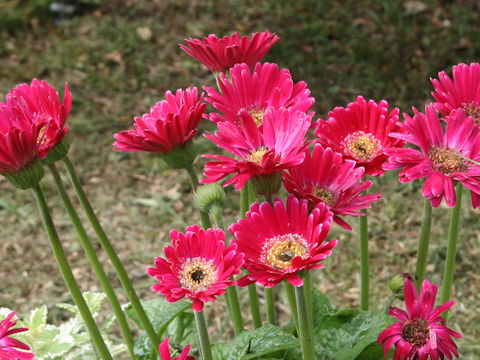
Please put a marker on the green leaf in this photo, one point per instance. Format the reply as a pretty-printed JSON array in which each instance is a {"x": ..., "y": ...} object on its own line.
[
  {"x": 254, "y": 344},
  {"x": 371, "y": 352},
  {"x": 159, "y": 311},
  {"x": 94, "y": 301},
  {"x": 36, "y": 320},
  {"x": 344, "y": 335},
  {"x": 322, "y": 307}
]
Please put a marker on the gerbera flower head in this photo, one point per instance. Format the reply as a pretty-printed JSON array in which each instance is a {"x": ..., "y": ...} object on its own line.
[
  {"x": 461, "y": 92},
  {"x": 198, "y": 265},
  {"x": 281, "y": 240},
  {"x": 442, "y": 157},
  {"x": 39, "y": 102},
  {"x": 20, "y": 152},
  {"x": 167, "y": 129},
  {"x": 164, "y": 349},
  {"x": 255, "y": 91},
  {"x": 420, "y": 332},
  {"x": 10, "y": 348},
  {"x": 360, "y": 133},
  {"x": 325, "y": 177},
  {"x": 263, "y": 152},
  {"x": 219, "y": 54}
]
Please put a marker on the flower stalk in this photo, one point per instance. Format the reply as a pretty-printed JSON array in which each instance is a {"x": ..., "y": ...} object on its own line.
[
  {"x": 292, "y": 301},
  {"x": 306, "y": 337},
  {"x": 67, "y": 274},
  {"x": 94, "y": 261},
  {"x": 364, "y": 259},
  {"x": 203, "y": 340},
  {"x": 107, "y": 246},
  {"x": 452, "y": 246},
  {"x": 423, "y": 244},
  {"x": 204, "y": 217}
]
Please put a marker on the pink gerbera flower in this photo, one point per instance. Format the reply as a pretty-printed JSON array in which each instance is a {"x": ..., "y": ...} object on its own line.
[
  {"x": 421, "y": 332},
  {"x": 463, "y": 92},
  {"x": 267, "y": 86},
  {"x": 280, "y": 241},
  {"x": 165, "y": 352},
  {"x": 443, "y": 155},
  {"x": 360, "y": 132},
  {"x": 277, "y": 145},
  {"x": 199, "y": 265},
  {"x": 325, "y": 177},
  {"x": 40, "y": 103},
  {"x": 221, "y": 54},
  {"x": 19, "y": 147},
  {"x": 170, "y": 123},
  {"x": 9, "y": 347}
]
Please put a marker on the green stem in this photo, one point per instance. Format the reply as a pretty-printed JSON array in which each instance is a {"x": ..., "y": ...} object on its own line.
[
  {"x": 117, "y": 264},
  {"x": 452, "y": 247},
  {"x": 94, "y": 261},
  {"x": 423, "y": 245},
  {"x": 245, "y": 196},
  {"x": 233, "y": 303},
  {"x": 364, "y": 259},
  {"x": 306, "y": 337},
  {"x": 270, "y": 302},
  {"x": 203, "y": 339},
  {"x": 389, "y": 303},
  {"x": 205, "y": 219},
  {"x": 307, "y": 286},
  {"x": 290, "y": 291},
  {"x": 68, "y": 276}
]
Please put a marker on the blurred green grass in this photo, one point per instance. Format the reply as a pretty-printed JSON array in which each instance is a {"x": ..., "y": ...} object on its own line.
[{"x": 119, "y": 58}]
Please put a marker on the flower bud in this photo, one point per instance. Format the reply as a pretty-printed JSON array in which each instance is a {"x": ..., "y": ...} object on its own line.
[
  {"x": 208, "y": 195},
  {"x": 397, "y": 283}
]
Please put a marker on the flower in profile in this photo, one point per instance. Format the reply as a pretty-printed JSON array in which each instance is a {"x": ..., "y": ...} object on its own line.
[
  {"x": 360, "y": 132},
  {"x": 220, "y": 54},
  {"x": 461, "y": 92},
  {"x": 420, "y": 332},
  {"x": 19, "y": 149},
  {"x": 198, "y": 265},
  {"x": 325, "y": 177},
  {"x": 39, "y": 102},
  {"x": 10, "y": 348},
  {"x": 164, "y": 349},
  {"x": 280, "y": 241},
  {"x": 443, "y": 157},
  {"x": 167, "y": 128},
  {"x": 255, "y": 91},
  {"x": 262, "y": 151}
]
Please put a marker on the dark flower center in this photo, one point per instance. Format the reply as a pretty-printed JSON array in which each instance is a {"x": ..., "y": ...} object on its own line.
[
  {"x": 324, "y": 195},
  {"x": 473, "y": 110},
  {"x": 197, "y": 276},
  {"x": 446, "y": 160},
  {"x": 415, "y": 331}
]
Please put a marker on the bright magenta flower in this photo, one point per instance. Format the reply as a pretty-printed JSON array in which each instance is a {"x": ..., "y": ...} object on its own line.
[
  {"x": 221, "y": 54},
  {"x": 19, "y": 141},
  {"x": 280, "y": 241},
  {"x": 262, "y": 151},
  {"x": 463, "y": 92},
  {"x": 171, "y": 122},
  {"x": 421, "y": 332},
  {"x": 199, "y": 265},
  {"x": 443, "y": 155},
  {"x": 9, "y": 347},
  {"x": 325, "y": 177},
  {"x": 360, "y": 132},
  {"x": 40, "y": 103},
  {"x": 255, "y": 91},
  {"x": 165, "y": 352}
]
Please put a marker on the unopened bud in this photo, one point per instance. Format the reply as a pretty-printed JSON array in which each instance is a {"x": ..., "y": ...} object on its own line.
[
  {"x": 397, "y": 283},
  {"x": 209, "y": 195}
]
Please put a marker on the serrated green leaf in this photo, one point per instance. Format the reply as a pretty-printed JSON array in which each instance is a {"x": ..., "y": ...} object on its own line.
[
  {"x": 344, "y": 335},
  {"x": 35, "y": 322},
  {"x": 254, "y": 344},
  {"x": 322, "y": 307},
  {"x": 93, "y": 299}
]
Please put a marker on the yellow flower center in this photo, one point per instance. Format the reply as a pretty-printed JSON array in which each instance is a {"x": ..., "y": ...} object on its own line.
[
  {"x": 41, "y": 139},
  {"x": 256, "y": 156},
  {"x": 279, "y": 251},
  {"x": 473, "y": 110},
  {"x": 361, "y": 146},
  {"x": 415, "y": 331},
  {"x": 324, "y": 195},
  {"x": 257, "y": 113},
  {"x": 446, "y": 160},
  {"x": 198, "y": 274}
]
